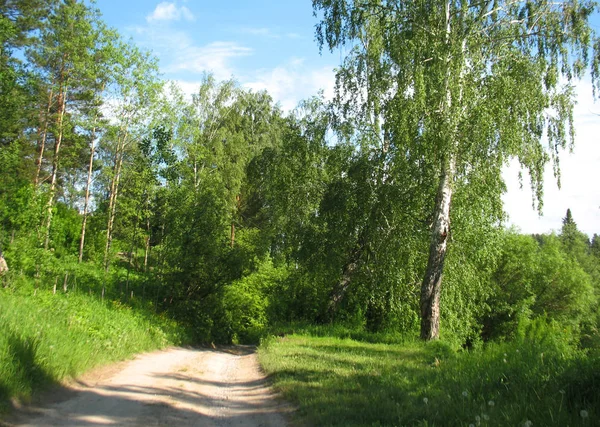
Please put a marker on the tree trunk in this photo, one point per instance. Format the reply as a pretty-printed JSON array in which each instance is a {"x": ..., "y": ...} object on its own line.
[
  {"x": 147, "y": 249},
  {"x": 87, "y": 193},
  {"x": 339, "y": 290},
  {"x": 131, "y": 252},
  {"x": 112, "y": 205},
  {"x": 62, "y": 103},
  {"x": 232, "y": 242},
  {"x": 432, "y": 282},
  {"x": 43, "y": 136}
]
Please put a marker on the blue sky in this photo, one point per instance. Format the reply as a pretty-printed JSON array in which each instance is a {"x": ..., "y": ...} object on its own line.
[
  {"x": 270, "y": 44},
  {"x": 264, "y": 44}
]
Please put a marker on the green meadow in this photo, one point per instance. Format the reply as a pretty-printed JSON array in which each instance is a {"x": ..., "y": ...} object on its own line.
[{"x": 533, "y": 381}]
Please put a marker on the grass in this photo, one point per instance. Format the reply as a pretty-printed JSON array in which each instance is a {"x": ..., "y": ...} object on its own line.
[
  {"x": 344, "y": 382},
  {"x": 46, "y": 338}
]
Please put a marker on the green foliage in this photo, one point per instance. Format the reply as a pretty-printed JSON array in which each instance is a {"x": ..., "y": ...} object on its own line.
[
  {"x": 246, "y": 302},
  {"x": 534, "y": 280}
]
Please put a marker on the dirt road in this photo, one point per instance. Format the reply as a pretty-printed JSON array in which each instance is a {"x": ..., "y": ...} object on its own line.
[{"x": 175, "y": 387}]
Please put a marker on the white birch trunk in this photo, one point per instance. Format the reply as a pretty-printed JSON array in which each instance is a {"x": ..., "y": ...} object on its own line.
[{"x": 87, "y": 193}]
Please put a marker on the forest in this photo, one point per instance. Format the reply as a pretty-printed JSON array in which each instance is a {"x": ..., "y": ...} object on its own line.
[{"x": 377, "y": 212}]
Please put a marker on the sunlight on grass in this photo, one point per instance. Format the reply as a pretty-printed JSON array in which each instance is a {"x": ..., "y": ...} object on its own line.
[{"x": 344, "y": 382}]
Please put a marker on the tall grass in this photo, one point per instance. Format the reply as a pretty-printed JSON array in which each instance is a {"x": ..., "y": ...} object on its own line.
[
  {"x": 538, "y": 379},
  {"x": 45, "y": 338}
]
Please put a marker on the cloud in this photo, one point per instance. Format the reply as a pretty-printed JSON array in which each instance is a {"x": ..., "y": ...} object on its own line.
[
  {"x": 579, "y": 175},
  {"x": 188, "y": 88},
  {"x": 214, "y": 57},
  {"x": 166, "y": 11},
  {"x": 179, "y": 53},
  {"x": 292, "y": 82},
  {"x": 268, "y": 33}
]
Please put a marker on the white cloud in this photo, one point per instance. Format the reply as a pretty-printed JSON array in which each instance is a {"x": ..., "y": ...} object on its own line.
[
  {"x": 188, "y": 88},
  {"x": 290, "y": 83},
  {"x": 268, "y": 33},
  {"x": 178, "y": 52},
  {"x": 579, "y": 177},
  {"x": 214, "y": 57},
  {"x": 167, "y": 11}
]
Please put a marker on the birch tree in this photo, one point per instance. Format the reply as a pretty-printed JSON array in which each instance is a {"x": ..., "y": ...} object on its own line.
[
  {"x": 104, "y": 75},
  {"x": 464, "y": 86},
  {"x": 134, "y": 94}
]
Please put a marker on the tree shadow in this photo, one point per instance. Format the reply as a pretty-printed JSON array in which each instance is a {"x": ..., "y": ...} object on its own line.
[
  {"x": 27, "y": 373},
  {"x": 174, "y": 399}
]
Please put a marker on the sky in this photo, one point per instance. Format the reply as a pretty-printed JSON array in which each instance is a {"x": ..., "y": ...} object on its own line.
[{"x": 270, "y": 44}]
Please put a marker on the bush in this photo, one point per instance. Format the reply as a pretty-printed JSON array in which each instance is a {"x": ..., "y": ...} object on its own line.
[{"x": 246, "y": 302}]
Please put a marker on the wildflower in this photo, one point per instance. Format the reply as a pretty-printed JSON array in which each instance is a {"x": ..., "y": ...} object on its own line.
[
  {"x": 477, "y": 418},
  {"x": 425, "y": 400},
  {"x": 465, "y": 393},
  {"x": 485, "y": 416},
  {"x": 491, "y": 403},
  {"x": 528, "y": 423},
  {"x": 504, "y": 360},
  {"x": 583, "y": 413},
  {"x": 471, "y": 425}
]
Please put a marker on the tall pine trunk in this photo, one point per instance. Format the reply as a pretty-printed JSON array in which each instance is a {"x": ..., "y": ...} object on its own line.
[
  {"x": 43, "y": 136},
  {"x": 62, "y": 102}
]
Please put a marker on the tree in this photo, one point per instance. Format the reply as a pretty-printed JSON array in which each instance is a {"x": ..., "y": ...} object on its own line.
[
  {"x": 536, "y": 280},
  {"x": 20, "y": 21},
  {"x": 595, "y": 246},
  {"x": 576, "y": 243},
  {"x": 103, "y": 76},
  {"x": 64, "y": 58},
  {"x": 136, "y": 88},
  {"x": 466, "y": 86}
]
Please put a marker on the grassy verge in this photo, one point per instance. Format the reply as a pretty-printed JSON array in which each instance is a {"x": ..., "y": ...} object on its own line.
[
  {"x": 46, "y": 338},
  {"x": 344, "y": 382}
]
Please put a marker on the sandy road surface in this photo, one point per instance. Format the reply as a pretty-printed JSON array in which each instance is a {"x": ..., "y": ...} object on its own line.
[{"x": 175, "y": 387}]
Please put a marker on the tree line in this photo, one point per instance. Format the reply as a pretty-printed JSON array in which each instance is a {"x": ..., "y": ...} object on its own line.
[{"x": 234, "y": 216}]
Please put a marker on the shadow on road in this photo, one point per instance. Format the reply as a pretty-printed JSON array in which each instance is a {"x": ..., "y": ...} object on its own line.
[{"x": 174, "y": 399}]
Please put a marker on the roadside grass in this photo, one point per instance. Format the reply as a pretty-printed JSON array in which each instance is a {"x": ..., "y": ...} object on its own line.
[
  {"x": 343, "y": 382},
  {"x": 46, "y": 338}
]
